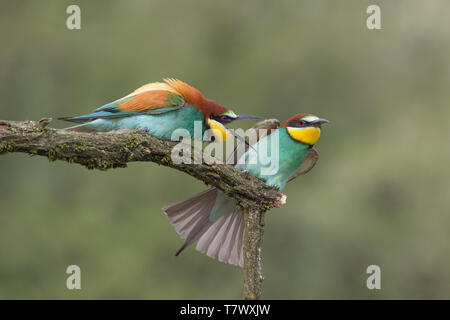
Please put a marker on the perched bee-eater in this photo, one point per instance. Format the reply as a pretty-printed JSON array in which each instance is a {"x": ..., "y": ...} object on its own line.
[
  {"x": 160, "y": 108},
  {"x": 214, "y": 220}
]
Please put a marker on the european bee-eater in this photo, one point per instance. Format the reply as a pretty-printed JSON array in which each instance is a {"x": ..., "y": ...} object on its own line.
[
  {"x": 160, "y": 108},
  {"x": 214, "y": 220}
]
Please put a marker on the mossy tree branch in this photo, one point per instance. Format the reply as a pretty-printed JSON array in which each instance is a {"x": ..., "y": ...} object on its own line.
[{"x": 115, "y": 149}]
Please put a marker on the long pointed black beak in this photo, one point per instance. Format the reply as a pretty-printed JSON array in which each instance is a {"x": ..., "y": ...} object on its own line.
[
  {"x": 318, "y": 122},
  {"x": 245, "y": 116}
]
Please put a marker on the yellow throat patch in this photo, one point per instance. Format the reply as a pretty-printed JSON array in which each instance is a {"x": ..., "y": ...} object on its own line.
[
  {"x": 308, "y": 135},
  {"x": 218, "y": 130}
]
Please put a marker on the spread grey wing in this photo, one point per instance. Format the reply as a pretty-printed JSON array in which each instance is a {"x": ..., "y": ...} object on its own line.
[
  {"x": 263, "y": 128},
  {"x": 308, "y": 164}
]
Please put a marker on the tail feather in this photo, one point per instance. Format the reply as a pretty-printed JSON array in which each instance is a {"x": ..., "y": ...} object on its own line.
[
  {"x": 206, "y": 241},
  {"x": 225, "y": 253},
  {"x": 202, "y": 225},
  {"x": 215, "y": 245},
  {"x": 71, "y": 119},
  {"x": 80, "y": 128},
  {"x": 239, "y": 248},
  {"x": 221, "y": 239},
  {"x": 225, "y": 242},
  {"x": 186, "y": 214}
]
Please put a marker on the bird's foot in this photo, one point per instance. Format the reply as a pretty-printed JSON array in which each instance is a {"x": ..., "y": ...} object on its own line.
[{"x": 246, "y": 173}]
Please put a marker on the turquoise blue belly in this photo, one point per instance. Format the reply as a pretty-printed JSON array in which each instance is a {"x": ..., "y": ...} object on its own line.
[
  {"x": 276, "y": 166},
  {"x": 264, "y": 166}
]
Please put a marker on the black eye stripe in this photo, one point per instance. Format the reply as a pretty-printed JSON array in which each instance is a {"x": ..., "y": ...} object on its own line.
[
  {"x": 222, "y": 118},
  {"x": 298, "y": 123}
]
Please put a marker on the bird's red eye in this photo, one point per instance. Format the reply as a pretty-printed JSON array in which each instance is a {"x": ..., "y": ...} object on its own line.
[
  {"x": 224, "y": 118},
  {"x": 301, "y": 123}
]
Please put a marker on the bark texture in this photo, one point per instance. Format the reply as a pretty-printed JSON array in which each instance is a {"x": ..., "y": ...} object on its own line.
[
  {"x": 115, "y": 149},
  {"x": 254, "y": 230}
]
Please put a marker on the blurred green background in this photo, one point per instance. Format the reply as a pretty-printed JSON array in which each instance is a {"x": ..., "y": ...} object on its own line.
[{"x": 379, "y": 194}]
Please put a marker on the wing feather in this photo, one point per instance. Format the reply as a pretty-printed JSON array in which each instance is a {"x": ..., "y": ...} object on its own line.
[
  {"x": 153, "y": 98},
  {"x": 263, "y": 128},
  {"x": 307, "y": 165}
]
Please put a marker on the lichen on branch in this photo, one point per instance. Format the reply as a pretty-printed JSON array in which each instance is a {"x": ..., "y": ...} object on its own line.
[{"x": 116, "y": 149}]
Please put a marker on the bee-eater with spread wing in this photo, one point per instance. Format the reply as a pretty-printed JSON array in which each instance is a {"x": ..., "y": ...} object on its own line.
[
  {"x": 160, "y": 108},
  {"x": 214, "y": 220}
]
